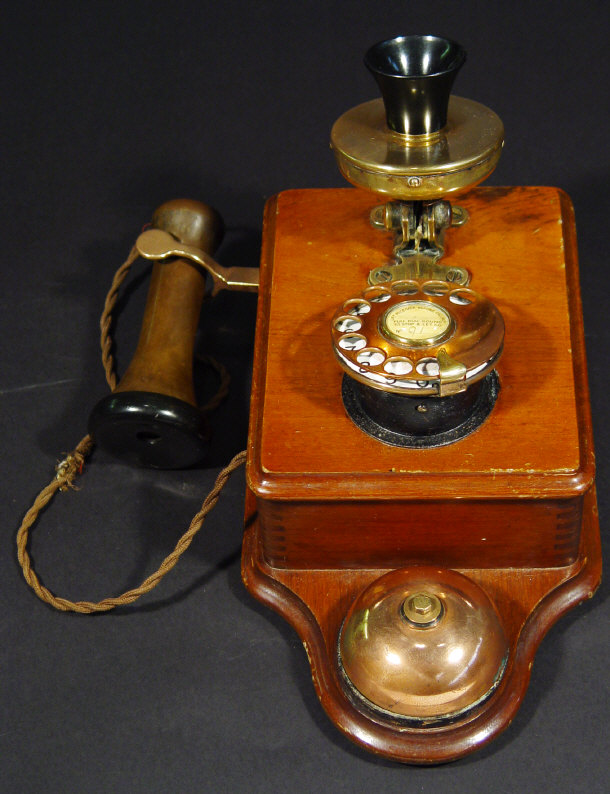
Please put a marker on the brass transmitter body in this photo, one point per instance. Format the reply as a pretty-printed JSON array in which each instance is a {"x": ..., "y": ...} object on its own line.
[{"x": 418, "y": 330}]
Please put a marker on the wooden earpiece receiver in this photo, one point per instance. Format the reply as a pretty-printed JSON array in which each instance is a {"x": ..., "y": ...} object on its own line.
[{"x": 152, "y": 418}]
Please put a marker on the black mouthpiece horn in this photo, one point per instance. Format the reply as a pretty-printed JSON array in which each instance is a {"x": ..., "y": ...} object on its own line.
[{"x": 415, "y": 75}]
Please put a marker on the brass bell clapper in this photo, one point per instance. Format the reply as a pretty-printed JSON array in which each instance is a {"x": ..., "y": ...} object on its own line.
[
  {"x": 420, "y": 645},
  {"x": 418, "y": 346}
]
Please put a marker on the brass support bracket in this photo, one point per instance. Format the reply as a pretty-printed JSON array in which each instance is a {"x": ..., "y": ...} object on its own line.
[
  {"x": 419, "y": 240},
  {"x": 156, "y": 244}
]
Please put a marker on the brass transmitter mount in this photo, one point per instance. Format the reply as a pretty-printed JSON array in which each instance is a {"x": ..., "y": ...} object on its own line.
[
  {"x": 418, "y": 167},
  {"x": 418, "y": 346}
]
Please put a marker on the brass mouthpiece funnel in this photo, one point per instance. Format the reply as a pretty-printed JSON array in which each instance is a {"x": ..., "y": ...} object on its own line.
[{"x": 415, "y": 75}]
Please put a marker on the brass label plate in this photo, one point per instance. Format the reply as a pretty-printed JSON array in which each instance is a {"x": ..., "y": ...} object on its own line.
[{"x": 416, "y": 323}]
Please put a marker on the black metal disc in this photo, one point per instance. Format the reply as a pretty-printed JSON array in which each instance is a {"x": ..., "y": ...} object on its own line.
[{"x": 419, "y": 422}]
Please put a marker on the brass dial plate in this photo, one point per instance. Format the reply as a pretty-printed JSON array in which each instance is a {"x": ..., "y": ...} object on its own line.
[{"x": 418, "y": 338}]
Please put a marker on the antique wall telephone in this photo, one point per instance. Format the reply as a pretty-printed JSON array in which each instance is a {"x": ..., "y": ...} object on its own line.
[{"x": 412, "y": 509}]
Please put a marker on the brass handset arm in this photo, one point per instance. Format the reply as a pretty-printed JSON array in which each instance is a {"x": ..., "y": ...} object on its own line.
[{"x": 158, "y": 244}]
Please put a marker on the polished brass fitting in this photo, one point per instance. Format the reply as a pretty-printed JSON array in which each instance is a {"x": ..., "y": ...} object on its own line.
[{"x": 422, "y": 609}]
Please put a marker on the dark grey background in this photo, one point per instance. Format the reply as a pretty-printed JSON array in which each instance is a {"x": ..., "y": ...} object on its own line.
[{"x": 109, "y": 109}]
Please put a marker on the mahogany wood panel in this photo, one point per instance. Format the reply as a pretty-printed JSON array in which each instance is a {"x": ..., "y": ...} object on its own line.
[
  {"x": 484, "y": 533},
  {"x": 319, "y": 249},
  {"x": 512, "y": 506},
  {"x": 523, "y": 472},
  {"x": 529, "y": 602}
]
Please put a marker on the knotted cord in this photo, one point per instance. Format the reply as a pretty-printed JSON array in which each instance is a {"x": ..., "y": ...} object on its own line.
[{"x": 73, "y": 464}]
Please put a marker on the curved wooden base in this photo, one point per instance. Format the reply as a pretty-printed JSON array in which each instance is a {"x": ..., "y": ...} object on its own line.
[{"x": 529, "y": 601}]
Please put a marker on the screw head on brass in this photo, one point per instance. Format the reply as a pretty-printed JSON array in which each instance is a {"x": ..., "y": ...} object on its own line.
[{"x": 422, "y": 609}]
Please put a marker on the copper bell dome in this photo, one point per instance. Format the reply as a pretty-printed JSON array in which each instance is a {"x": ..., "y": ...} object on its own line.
[{"x": 422, "y": 644}]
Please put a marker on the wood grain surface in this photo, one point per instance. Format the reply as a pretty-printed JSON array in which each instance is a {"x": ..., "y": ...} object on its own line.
[
  {"x": 512, "y": 506},
  {"x": 529, "y": 601},
  {"x": 511, "y": 493}
]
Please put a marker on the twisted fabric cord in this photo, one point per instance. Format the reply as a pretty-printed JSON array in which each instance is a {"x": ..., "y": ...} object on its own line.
[
  {"x": 106, "y": 318},
  {"x": 72, "y": 465}
]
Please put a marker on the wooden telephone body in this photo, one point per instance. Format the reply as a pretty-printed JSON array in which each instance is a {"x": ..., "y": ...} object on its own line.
[{"x": 330, "y": 509}]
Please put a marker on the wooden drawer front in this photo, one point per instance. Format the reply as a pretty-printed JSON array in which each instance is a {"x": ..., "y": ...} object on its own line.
[{"x": 462, "y": 534}]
